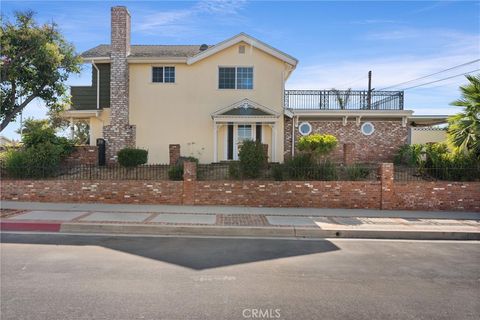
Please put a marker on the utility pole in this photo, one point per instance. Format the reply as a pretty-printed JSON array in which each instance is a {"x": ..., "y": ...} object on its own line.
[{"x": 369, "y": 93}]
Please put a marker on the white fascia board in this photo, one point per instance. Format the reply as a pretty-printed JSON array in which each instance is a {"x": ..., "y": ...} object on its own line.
[
  {"x": 429, "y": 117},
  {"x": 288, "y": 113},
  {"x": 242, "y": 37},
  {"x": 244, "y": 119},
  {"x": 157, "y": 60},
  {"x": 97, "y": 60},
  {"x": 363, "y": 113},
  {"x": 80, "y": 113}
]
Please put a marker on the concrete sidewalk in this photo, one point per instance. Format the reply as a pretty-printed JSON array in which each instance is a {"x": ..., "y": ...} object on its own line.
[
  {"x": 230, "y": 224},
  {"x": 233, "y": 210}
]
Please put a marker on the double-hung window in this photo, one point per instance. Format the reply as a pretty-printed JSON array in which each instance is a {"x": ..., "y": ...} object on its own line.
[
  {"x": 235, "y": 78},
  {"x": 163, "y": 74}
]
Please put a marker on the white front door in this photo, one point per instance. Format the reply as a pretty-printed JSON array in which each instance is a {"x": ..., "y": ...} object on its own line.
[{"x": 242, "y": 132}]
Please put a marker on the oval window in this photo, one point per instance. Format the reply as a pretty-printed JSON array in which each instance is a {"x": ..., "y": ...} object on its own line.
[
  {"x": 367, "y": 128},
  {"x": 305, "y": 128}
]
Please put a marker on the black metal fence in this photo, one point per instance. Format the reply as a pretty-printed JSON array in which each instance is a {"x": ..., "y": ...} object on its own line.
[
  {"x": 232, "y": 171},
  {"x": 343, "y": 100},
  {"x": 89, "y": 172},
  {"x": 403, "y": 173},
  {"x": 280, "y": 172}
]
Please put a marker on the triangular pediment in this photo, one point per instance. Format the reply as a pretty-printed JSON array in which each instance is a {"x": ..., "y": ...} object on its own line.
[
  {"x": 243, "y": 37},
  {"x": 246, "y": 108}
]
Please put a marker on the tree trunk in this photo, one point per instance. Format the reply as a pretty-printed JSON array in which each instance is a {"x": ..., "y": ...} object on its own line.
[{"x": 15, "y": 111}]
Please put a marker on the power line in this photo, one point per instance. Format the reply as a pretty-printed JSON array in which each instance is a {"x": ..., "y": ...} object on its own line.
[
  {"x": 346, "y": 84},
  {"x": 424, "y": 84},
  {"x": 429, "y": 75}
]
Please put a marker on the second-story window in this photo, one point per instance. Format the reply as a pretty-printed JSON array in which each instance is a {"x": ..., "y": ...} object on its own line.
[
  {"x": 235, "y": 78},
  {"x": 163, "y": 74}
]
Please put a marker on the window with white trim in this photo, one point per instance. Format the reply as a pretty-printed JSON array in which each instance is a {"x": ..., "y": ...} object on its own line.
[
  {"x": 163, "y": 74},
  {"x": 305, "y": 128},
  {"x": 235, "y": 77},
  {"x": 367, "y": 128}
]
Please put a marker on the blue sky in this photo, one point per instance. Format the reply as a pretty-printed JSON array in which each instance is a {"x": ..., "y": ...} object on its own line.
[{"x": 337, "y": 42}]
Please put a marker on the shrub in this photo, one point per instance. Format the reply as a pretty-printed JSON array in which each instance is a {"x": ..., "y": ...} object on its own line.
[
  {"x": 132, "y": 157},
  {"x": 252, "y": 159},
  {"x": 302, "y": 167},
  {"x": 36, "y": 132},
  {"x": 175, "y": 173},
  {"x": 39, "y": 161},
  {"x": 357, "y": 172},
  {"x": 317, "y": 144},
  {"x": 234, "y": 170},
  {"x": 326, "y": 172},
  {"x": 299, "y": 167},
  {"x": 411, "y": 155},
  {"x": 278, "y": 172}
]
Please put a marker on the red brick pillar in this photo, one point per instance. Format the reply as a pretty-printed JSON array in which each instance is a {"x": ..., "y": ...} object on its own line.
[
  {"x": 174, "y": 151},
  {"x": 189, "y": 181},
  {"x": 385, "y": 174},
  {"x": 348, "y": 153}
]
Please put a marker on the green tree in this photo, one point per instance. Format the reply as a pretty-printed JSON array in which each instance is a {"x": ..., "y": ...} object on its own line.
[
  {"x": 36, "y": 60},
  {"x": 81, "y": 128},
  {"x": 464, "y": 127},
  {"x": 317, "y": 145}
]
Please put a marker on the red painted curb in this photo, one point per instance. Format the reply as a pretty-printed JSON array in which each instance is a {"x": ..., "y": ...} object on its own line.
[{"x": 30, "y": 226}]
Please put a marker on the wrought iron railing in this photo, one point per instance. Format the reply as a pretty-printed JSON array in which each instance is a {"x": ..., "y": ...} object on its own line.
[{"x": 343, "y": 100}]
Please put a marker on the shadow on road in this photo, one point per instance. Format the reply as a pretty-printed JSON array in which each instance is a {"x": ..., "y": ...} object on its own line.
[{"x": 194, "y": 253}]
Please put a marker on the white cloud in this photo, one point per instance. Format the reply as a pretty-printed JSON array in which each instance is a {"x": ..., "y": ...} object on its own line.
[
  {"x": 394, "y": 69},
  {"x": 173, "y": 21}
]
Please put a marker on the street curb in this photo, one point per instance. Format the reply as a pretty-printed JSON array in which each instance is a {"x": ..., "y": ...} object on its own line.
[
  {"x": 30, "y": 226},
  {"x": 234, "y": 231},
  {"x": 239, "y": 231},
  {"x": 387, "y": 234}
]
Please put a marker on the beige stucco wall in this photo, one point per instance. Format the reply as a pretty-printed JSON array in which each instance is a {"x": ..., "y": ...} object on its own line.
[
  {"x": 165, "y": 113},
  {"x": 96, "y": 125},
  {"x": 427, "y": 135}
]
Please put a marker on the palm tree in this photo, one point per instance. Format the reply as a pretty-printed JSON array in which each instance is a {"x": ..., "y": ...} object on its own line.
[
  {"x": 343, "y": 97},
  {"x": 464, "y": 127}
]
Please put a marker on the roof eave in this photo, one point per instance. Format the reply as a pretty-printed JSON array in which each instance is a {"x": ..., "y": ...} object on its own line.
[{"x": 242, "y": 37}]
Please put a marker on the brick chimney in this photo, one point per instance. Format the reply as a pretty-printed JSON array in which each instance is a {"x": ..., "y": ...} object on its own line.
[{"x": 119, "y": 134}]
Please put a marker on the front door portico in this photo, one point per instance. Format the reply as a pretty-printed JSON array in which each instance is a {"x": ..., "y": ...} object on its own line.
[{"x": 244, "y": 120}]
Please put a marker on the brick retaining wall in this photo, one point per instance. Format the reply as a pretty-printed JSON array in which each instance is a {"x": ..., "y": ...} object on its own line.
[
  {"x": 104, "y": 191},
  {"x": 382, "y": 194},
  {"x": 439, "y": 195},
  {"x": 83, "y": 155},
  {"x": 321, "y": 194}
]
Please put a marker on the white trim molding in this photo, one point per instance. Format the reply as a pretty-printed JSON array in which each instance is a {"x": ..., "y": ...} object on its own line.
[
  {"x": 243, "y": 37},
  {"x": 242, "y": 104}
]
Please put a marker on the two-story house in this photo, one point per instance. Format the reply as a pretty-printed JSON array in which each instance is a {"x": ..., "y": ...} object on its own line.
[{"x": 210, "y": 98}]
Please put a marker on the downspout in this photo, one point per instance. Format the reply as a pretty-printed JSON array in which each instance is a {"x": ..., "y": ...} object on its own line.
[
  {"x": 293, "y": 136},
  {"x": 98, "y": 84}
]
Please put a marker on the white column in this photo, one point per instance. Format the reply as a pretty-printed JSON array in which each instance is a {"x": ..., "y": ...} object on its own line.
[
  {"x": 215, "y": 142},
  {"x": 72, "y": 129},
  {"x": 274, "y": 138}
]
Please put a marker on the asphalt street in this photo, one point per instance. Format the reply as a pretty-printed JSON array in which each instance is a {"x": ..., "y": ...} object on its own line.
[{"x": 112, "y": 277}]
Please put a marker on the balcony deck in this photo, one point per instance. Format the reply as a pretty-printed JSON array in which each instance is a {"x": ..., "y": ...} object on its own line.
[{"x": 343, "y": 100}]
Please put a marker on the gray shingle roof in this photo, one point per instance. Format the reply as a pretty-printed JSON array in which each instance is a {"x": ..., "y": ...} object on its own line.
[{"x": 147, "y": 51}]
